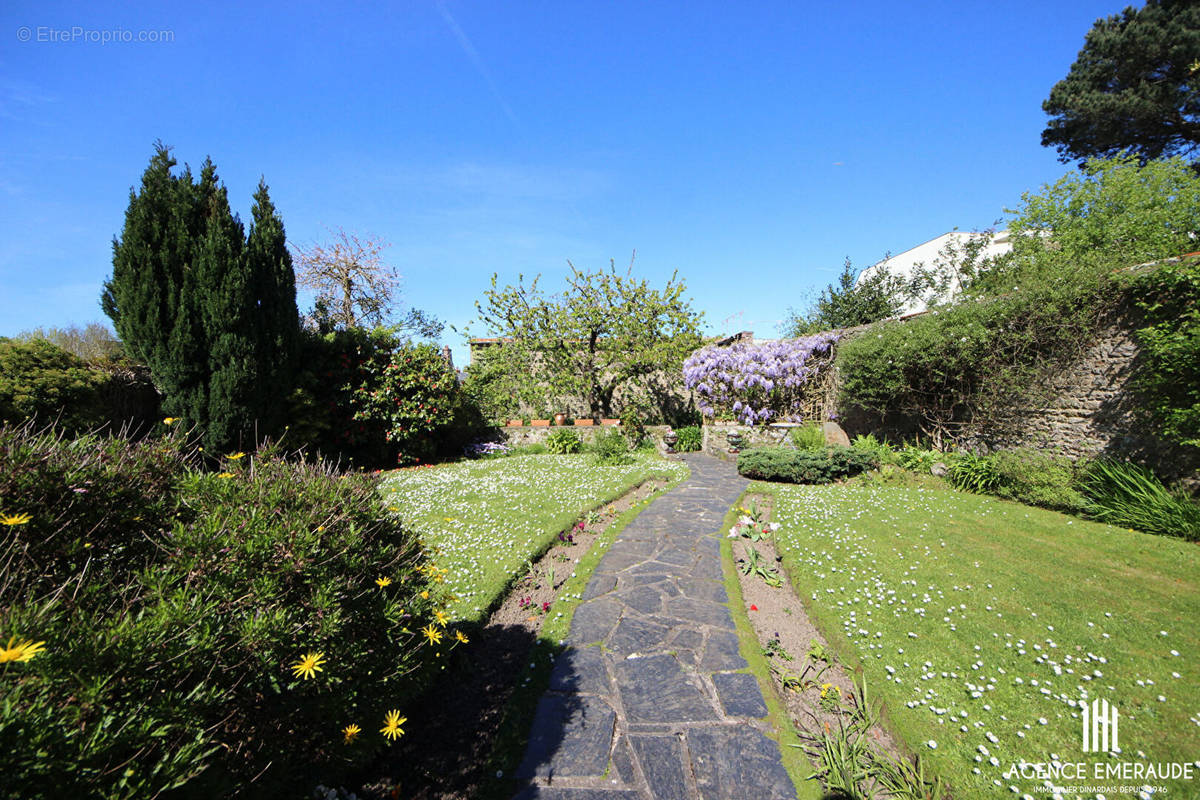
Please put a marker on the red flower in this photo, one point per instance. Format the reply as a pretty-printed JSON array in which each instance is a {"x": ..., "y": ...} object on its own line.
[{"x": 753, "y": 607}]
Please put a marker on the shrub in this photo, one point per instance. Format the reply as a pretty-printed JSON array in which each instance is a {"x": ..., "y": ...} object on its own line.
[
  {"x": 880, "y": 449},
  {"x": 563, "y": 441},
  {"x": 1041, "y": 479},
  {"x": 919, "y": 459},
  {"x": 633, "y": 425},
  {"x": 413, "y": 395},
  {"x": 42, "y": 381},
  {"x": 974, "y": 473},
  {"x": 1169, "y": 374},
  {"x": 688, "y": 438},
  {"x": 175, "y": 604},
  {"x": 803, "y": 466},
  {"x": 322, "y": 409},
  {"x": 1030, "y": 312},
  {"x": 809, "y": 437},
  {"x": 1125, "y": 494},
  {"x": 611, "y": 449}
]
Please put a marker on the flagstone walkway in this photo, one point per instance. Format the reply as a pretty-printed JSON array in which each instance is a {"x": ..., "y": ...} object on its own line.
[{"x": 651, "y": 699}]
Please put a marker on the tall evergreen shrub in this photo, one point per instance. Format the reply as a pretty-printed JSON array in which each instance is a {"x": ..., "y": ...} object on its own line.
[{"x": 209, "y": 309}]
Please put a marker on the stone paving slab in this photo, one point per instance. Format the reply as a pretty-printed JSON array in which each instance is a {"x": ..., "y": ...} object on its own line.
[{"x": 650, "y": 700}]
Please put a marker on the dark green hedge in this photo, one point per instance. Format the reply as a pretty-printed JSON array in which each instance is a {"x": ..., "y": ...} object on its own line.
[{"x": 804, "y": 466}]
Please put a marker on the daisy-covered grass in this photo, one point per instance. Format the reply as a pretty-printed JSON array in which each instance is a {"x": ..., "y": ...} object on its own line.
[
  {"x": 483, "y": 520},
  {"x": 984, "y": 625}
]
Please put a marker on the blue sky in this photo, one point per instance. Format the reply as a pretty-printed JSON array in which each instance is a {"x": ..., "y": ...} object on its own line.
[{"x": 750, "y": 146}]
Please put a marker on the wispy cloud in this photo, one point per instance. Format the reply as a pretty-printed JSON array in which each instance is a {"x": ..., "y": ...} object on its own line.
[
  {"x": 473, "y": 56},
  {"x": 20, "y": 101}
]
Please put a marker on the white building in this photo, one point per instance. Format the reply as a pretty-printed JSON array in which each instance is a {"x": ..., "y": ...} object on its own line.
[{"x": 904, "y": 264}]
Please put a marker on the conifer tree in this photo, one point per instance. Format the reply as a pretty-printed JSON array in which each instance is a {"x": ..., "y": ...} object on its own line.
[{"x": 212, "y": 312}]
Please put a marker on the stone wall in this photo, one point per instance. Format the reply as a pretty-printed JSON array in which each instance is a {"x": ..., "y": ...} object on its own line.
[
  {"x": 518, "y": 435},
  {"x": 1087, "y": 409},
  {"x": 1090, "y": 409}
]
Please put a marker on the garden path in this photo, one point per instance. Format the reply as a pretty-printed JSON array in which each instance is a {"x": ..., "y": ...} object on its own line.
[{"x": 651, "y": 698}]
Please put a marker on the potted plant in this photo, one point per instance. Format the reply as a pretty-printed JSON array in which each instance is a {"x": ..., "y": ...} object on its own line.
[
  {"x": 515, "y": 423},
  {"x": 584, "y": 422},
  {"x": 560, "y": 419}
]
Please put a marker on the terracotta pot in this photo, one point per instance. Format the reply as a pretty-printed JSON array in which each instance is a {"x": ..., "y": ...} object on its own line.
[
  {"x": 584, "y": 423},
  {"x": 515, "y": 423},
  {"x": 610, "y": 422},
  {"x": 540, "y": 423},
  {"x": 560, "y": 419}
]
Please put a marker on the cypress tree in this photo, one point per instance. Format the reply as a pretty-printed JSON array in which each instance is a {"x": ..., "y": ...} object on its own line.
[
  {"x": 210, "y": 311},
  {"x": 276, "y": 321}
]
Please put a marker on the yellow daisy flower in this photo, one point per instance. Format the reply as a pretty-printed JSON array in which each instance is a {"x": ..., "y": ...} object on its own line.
[
  {"x": 441, "y": 617},
  {"x": 391, "y": 725},
  {"x": 432, "y": 634},
  {"x": 15, "y": 519},
  {"x": 382, "y": 582},
  {"x": 461, "y": 637},
  {"x": 351, "y": 732},
  {"x": 235, "y": 456},
  {"x": 170, "y": 420},
  {"x": 20, "y": 650},
  {"x": 309, "y": 666},
  {"x": 425, "y": 594},
  {"x": 225, "y": 475}
]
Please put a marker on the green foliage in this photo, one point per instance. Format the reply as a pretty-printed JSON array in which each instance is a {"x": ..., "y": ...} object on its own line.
[
  {"x": 211, "y": 310},
  {"x": 321, "y": 409},
  {"x": 1038, "y": 478},
  {"x": 803, "y": 466},
  {"x": 1169, "y": 375},
  {"x": 563, "y": 441},
  {"x": 492, "y": 387},
  {"x": 851, "y": 302},
  {"x": 173, "y": 603},
  {"x": 611, "y": 449},
  {"x": 882, "y": 451},
  {"x": 1030, "y": 313},
  {"x": 810, "y": 436},
  {"x": 688, "y": 438},
  {"x": 1125, "y": 494},
  {"x": 41, "y": 381},
  {"x": 412, "y": 395},
  {"x": 606, "y": 331},
  {"x": 1111, "y": 215},
  {"x": 755, "y": 564},
  {"x": 1133, "y": 87},
  {"x": 974, "y": 473},
  {"x": 918, "y": 459},
  {"x": 633, "y": 425}
]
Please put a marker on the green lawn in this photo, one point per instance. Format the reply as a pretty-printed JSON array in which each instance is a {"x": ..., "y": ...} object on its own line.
[
  {"x": 983, "y": 624},
  {"x": 486, "y": 518}
]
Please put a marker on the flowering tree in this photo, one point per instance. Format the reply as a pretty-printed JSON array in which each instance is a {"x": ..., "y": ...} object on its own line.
[
  {"x": 758, "y": 382},
  {"x": 606, "y": 331}
]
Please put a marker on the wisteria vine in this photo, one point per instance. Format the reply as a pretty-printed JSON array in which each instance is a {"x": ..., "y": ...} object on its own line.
[{"x": 757, "y": 382}]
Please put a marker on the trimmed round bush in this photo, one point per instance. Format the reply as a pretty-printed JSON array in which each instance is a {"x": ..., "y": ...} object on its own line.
[{"x": 804, "y": 466}]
